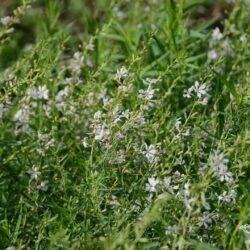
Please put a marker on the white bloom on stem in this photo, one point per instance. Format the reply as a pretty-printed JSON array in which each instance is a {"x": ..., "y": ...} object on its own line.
[
  {"x": 228, "y": 197},
  {"x": 151, "y": 185},
  {"x": 243, "y": 38},
  {"x": 22, "y": 115},
  {"x": 149, "y": 81},
  {"x": 90, "y": 46},
  {"x": 204, "y": 202},
  {"x": 50, "y": 143},
  {"x": 41, "y": 92},
  {"x": 85, "y": 142},
  {"x": 121, "y": 74},
  {"x": 217, "y": 35},
  {"x": 218, "y": 160},
  {"x": 147, "y": 94},
  {"x": 203, "y": 101},
  {"x": 43, "y": 186},
  {"x": 10, "y": 248},
  {"x": 205, "y": 220},
  {"x": 167, "y": 184},
  {"x": 5, "y": 20},
  {"x": 101, "y": 133},
  {"x": 218, "y": 163},
  {"x": 172, "y": 230},
  {"x": 60, "y": 96},
  {"x": 150, "y": 152},
  {"x": 247, "y": 242},
  {"x": 187, "y": 199},
  {"x": 10, "y": 30},
  {"x": 2, "y": 109},
  {"x": 139, "y": 120},
  {"x": 189, "y": 202},
  {"x": 245, "y": 228},
  {"x": 76, "y": 63},
  {"x": 178, "y": 123},
  {"x": 200, "y": 90},
  {"x": 98, "y": 115},
  {"x": 34, "y": 173},
  {"x": 212, "y": 55}
]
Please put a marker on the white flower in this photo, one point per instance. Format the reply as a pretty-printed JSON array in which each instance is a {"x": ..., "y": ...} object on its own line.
[
  {"x": 232, "y": 27},
  {"x": 139, "y": 120},
  {"x": 151, "y": 185},
  {"x": 201, "y": 91},
  {"x": 98, "y": 115},
  {"x": 149, "y": 81},
  {"x": 167, "y": 184},
  {"x": 228, "y": 197},
  {"x": 114, "y": 201},
  {"x": 218, "y": 163},
  {"x": 120, "y": 157},
  {"x": 186, "y": 190},
  {"x": 247, "y": 242},
  {"x": 85, "y": 142},
  {"x": 41, "y": 92},
  {"x": 223, "y": 174},
  {"x": 120, "y": 14},
  {"x": 187, "y": 93},
  {"x": 187, "y": 199},
  {"x": 34, "y": 173},
  {"x": 2, "y": 109},
  {"x": 5, "y": 20},
  {"x": 43, "y": 186},
  {"x": 10, "y": 30},
  {"x": 10, "y": 248},
  {"x": 150, "y": 152},
  {"x": 172, "y": 229},
  {"x": 180, "y": 161},
  {"x": 59, "y": 98},
  {"x": 227, "y": 48},
  {"x": 32, "y": 92},
  {"x": 205, "y": 220},
  {"x": 189, "y": 202},
  {"x": 212, "y": 55},
  {"x": 178, "y": 123},
  {"x": 204, "y": 202},
  {"x": 203, "y": 101},
  {"x": 121, "y": 74},
  {"x": 89, "y": 63},
  {"x": 243, "y": 38},
  {"x": 78, "y": 57},
  {"x": 217, "y": 35},
  {"x": 76, "y": 63},
  {"x": 90, "y": 46},
  {"x": 50, "y": 143},
  {"x": 101, "y": 133},
  {"x": 125, "y": 88},
  {"x": 118, "y": 117},
  {"x": 147, "y": 94},
  {"x": 218, "y": 160},
  {"x": 22, "y": 115},
  {"x": 245, "y": 228}
]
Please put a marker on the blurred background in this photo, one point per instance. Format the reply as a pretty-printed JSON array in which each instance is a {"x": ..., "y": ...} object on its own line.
[{"x": 82, "y": 18}]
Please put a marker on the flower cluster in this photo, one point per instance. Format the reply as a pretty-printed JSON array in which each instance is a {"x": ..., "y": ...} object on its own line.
[
  {"x": 199, "y": 90},
  {"x": 219, "y": 167}
]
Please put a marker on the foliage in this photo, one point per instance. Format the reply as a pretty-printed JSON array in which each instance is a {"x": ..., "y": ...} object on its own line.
[{"x": 124, "y": 124}]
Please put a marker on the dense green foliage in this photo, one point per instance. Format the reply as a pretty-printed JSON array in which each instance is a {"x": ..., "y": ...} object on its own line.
[{"x": 124, "y": 124}]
